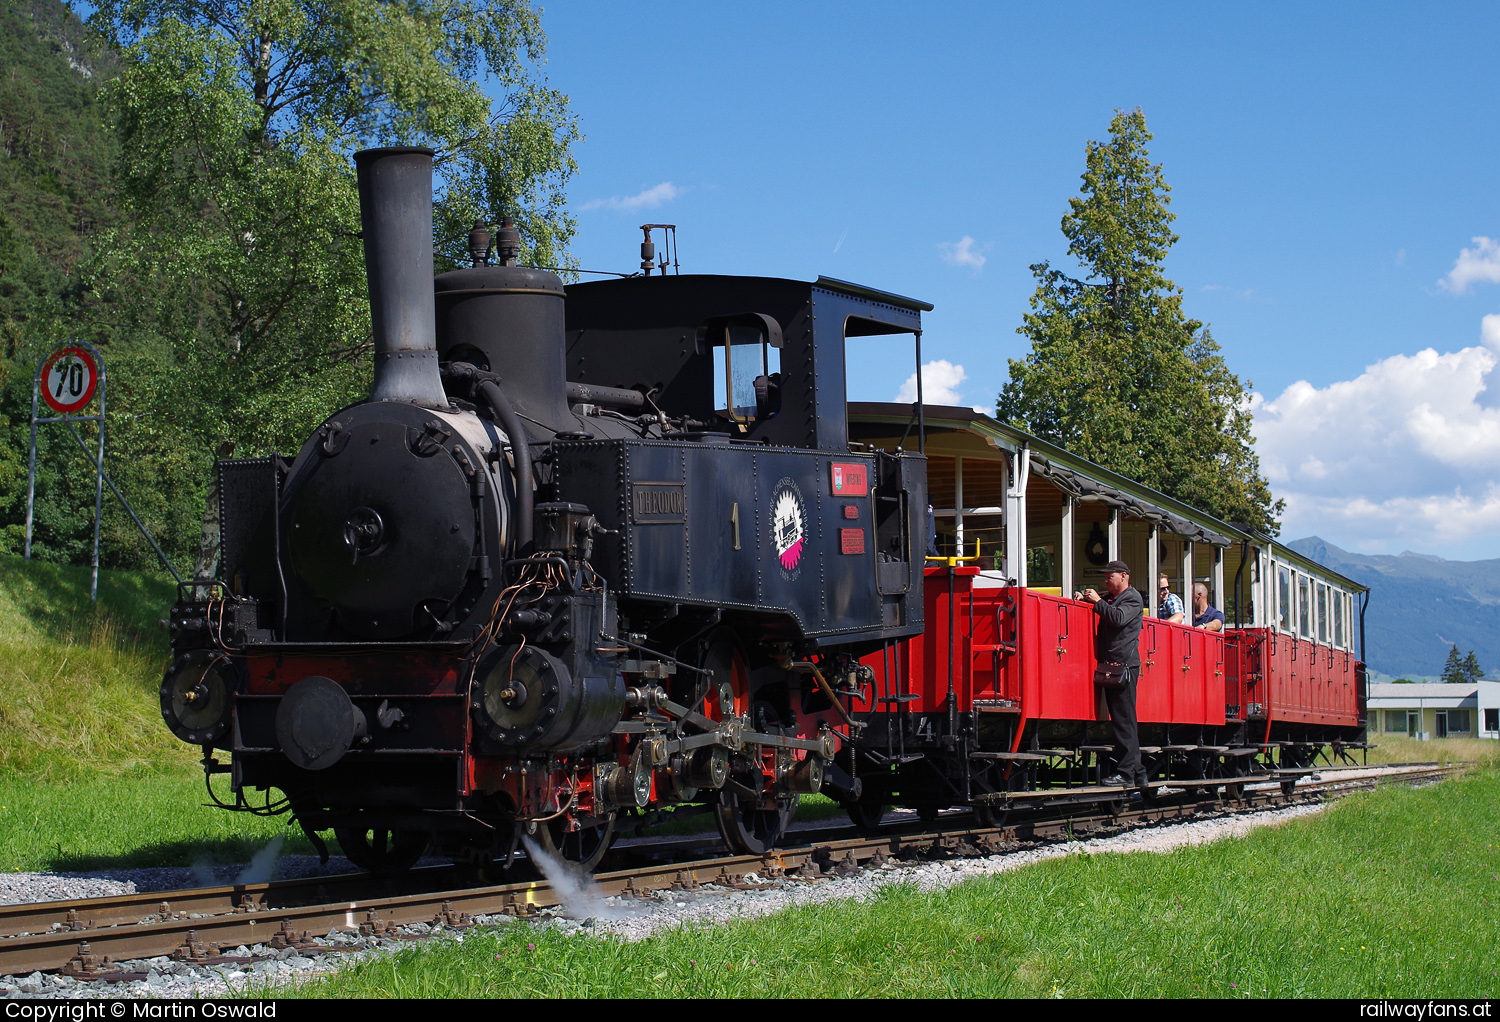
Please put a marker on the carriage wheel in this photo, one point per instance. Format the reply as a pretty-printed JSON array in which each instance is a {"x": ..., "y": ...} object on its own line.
[
  {"x": 382, "y": 850},
  {"x": 866, "y": 816},
  {"x": 990, "y": 816},
  {"x": 583, "y": 848}
]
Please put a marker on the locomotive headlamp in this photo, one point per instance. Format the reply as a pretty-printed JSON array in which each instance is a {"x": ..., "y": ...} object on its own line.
[{"x": 197, "y": 696}]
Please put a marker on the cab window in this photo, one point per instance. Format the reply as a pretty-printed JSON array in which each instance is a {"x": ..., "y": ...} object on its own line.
[{"x": 747, "y": 368}]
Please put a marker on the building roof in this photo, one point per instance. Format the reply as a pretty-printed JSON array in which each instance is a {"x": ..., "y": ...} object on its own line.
[{"x": 1411, "y": 696}]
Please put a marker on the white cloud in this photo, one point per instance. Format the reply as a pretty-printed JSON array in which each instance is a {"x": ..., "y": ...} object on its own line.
[
  {"x": 964, "y": 252},
  {"x": 648, "y": 199},
  {"x": 1480, "y": 263},
  {"x": 1405, "y": 455},
  {"x": 1247, "y": 292},
  {"x": 940, "y": 380}
]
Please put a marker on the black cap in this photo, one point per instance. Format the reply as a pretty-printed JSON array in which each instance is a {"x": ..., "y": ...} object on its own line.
[{"x": 1119, "y": 566}]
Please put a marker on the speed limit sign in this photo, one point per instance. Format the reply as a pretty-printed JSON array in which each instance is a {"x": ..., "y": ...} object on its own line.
[{"x": 68, "y": 380}]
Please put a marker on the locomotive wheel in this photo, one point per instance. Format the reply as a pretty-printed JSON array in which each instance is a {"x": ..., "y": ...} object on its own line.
[
  {"x": 729, "y": 694},
  {"x": 583, "y": 848},
  {"x": 747, "y": 828},
  {"x": 381, "y": 850}
]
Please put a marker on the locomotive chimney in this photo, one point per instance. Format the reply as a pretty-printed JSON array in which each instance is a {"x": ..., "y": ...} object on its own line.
[{"x": 395, "y": 208}]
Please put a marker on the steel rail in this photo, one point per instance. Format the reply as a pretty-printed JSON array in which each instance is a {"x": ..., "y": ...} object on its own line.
[{"x": 244, "y": 914}]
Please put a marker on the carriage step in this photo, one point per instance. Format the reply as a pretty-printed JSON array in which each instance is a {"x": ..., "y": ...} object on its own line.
[
  {"x": 1019, "y": 757},
  {"x": 881, "y": 759},
  {"x": 897, "y": 699},
  {"x": 1251, "y": 751}
]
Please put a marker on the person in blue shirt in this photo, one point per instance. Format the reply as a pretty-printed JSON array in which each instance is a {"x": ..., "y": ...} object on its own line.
[
  {"x": 1205, "y": 615},
  {"x": 1169, "y": 604}
]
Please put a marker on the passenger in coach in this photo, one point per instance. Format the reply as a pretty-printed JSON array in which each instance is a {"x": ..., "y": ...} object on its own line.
[
  {"x": 1117, "y": 649},
  {"x": 1170, "y": 608},
  {"x": 1205, "y": 614}
]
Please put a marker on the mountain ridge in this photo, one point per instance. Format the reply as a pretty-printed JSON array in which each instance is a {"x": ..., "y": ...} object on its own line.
[{"x": 1420, "y": 606}]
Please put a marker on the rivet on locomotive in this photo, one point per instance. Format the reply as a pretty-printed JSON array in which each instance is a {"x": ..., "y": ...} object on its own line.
[{"x": 572, "y": 559}]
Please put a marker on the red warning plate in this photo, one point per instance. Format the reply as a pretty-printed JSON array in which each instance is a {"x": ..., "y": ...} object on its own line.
[
  {"x": 69, "y": 378},
  {"x": 851, "y": 541},
  {"x": 850, "y": 479}
]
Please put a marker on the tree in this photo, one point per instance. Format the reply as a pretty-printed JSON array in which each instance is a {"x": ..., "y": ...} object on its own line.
[
  {"x": 237, "y": 120},
  {"x": 1116, "y": 371},
  {"x": 1472, "y": 670},
  {"x": 1453, "y": 668},
  {"x": 220, "y": 269}
]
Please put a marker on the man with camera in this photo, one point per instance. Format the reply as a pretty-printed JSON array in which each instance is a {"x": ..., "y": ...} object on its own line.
[{"x": 1117, "y": 650}]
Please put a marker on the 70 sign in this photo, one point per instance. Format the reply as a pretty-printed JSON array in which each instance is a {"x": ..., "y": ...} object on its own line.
[{"x": 69, "y": 378}]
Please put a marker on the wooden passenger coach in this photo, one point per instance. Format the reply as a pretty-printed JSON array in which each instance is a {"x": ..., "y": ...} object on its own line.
[{"x": 1000, "y": 685}]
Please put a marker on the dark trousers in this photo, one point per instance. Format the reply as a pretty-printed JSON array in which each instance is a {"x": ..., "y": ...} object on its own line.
[{"x": 1121, "y": 703}]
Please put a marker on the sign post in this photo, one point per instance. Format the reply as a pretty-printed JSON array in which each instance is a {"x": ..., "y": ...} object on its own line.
[{"x": 67, "y": 381}]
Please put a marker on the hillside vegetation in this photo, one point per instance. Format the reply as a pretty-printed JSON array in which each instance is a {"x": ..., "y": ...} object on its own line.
[{"x": 80, "y": 681}]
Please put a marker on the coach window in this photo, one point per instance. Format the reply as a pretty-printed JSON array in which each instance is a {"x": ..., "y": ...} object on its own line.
[
  {"x": 1322, "y": 612},
  {"x": 1284, "y": 597},
  {"x": 747, "y": 349},
  {"x": 1338, "y": 619}
]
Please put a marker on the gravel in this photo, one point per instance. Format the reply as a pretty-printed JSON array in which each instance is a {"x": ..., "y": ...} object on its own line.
[{"x": 630, "y": 918}]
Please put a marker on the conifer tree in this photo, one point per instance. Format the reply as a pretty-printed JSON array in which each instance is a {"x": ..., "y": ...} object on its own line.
[
  {"x": 1472, "y": 670},
  {"x": 1117, "y": 372},
  {"x": 1453, "y": 668}
]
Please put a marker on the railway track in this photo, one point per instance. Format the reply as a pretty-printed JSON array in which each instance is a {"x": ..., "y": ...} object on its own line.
[{"x": 85, "y": 938}]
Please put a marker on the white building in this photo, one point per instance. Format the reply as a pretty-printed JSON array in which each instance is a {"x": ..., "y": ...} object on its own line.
[{"x": 1436, "y": 711}]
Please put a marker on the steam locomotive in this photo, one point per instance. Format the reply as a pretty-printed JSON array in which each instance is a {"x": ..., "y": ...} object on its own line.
[
  {"x": 579, "y": 554},
  {"x": 623, "y": 549}
]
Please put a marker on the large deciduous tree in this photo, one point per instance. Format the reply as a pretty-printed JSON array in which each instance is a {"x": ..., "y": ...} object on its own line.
[
  {"x": 1117, "y": 372},
  {"x": 237, "y": 120}
]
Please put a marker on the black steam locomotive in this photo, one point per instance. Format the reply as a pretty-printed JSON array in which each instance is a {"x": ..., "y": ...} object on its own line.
[{"x": 584, "y": 552}]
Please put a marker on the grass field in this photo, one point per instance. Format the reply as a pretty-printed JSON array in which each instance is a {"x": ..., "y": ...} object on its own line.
[
  {"x": 80, "y": 680},
  {"x": 1390, "y": 894},
  {"x": 89, "y": 776}
]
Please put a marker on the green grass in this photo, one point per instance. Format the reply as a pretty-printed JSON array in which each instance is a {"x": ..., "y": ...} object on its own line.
[
  {"x": 138, "y": 818},
  {"x": 1400, "y": 749},
  {"x": 1391, "y": 894},
  {"x": 78, "y": 681},
  {"x": 90, "y": 777}
]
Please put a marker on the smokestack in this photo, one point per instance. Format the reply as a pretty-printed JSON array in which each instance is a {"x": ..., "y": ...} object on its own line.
[{"x": 395, "y": 207}]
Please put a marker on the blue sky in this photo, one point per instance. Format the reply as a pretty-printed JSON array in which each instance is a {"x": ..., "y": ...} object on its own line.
[{"x": 1330, "y": 166}]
